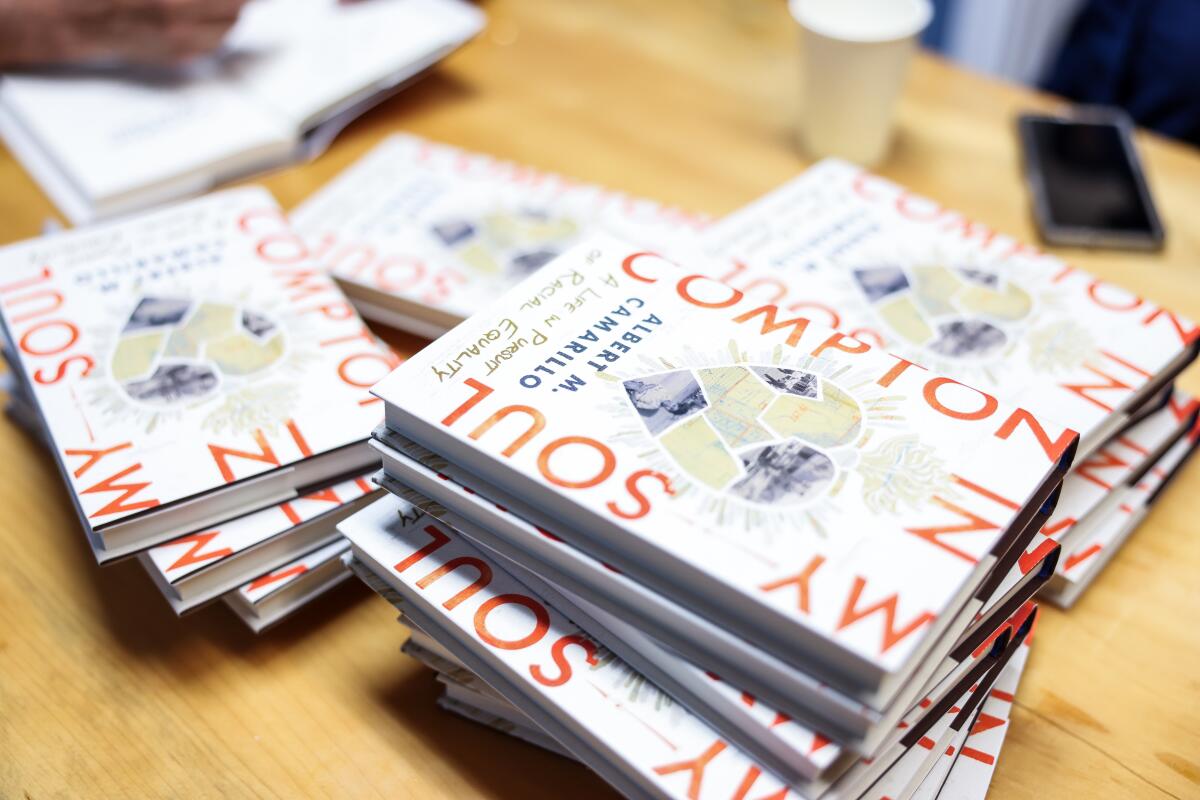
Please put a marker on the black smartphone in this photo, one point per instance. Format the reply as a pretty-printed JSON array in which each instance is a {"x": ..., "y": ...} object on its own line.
[{"x": 1086, "y": 181}]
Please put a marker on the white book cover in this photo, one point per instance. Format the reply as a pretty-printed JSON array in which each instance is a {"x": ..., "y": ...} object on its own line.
[
  {"x": 787, "y": 746},
  {"x": 975, "y": 762},
  {"x": 1095, "y": 485},
  {"x": 255, "y": 591},
  {"x": 598, "y": 707},
  {"x": 1087, "y": 557},
  {"x": 901, "y": 271},
  {"x": 967, "y": 766},
  {"x": 422, "y": 235},
  {"x": 194, "y": 352},
  {"x": 786, "y": 479},
  {"x": 289, "y": 75},
  {"x": 273, "y": 596},
  {"x": 180, "y": 558}
]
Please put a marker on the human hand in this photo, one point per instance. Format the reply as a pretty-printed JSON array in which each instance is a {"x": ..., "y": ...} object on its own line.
[{"x": 41, "y": 32}]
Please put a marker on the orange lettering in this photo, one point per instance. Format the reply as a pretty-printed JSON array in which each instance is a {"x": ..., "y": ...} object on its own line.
[
  {"x": 222, "y": 454},
  {"x": 485, "y": 577},
  {"x": 127, "y": 490},
  {"x": 560, "y": 660},
  {"x": 840, "y": 341},
  {"x": 541, "y": 621},
  {"x": 769, "y": 325},
  {"x": 1053, "y": 450},
  {"x": 193, "y": 554},
  {"x": 695, "y": 766},
  {"x": 983, "y": 412},
  {"x": 973, "y": 524},
  {"x": 799, "y": 580},
  {"x": 94, "y": 456},
  {"x": 436, "y": 540},
  {"x": 609, "y": 462},
  {"x": 537, "y": 421},
  {"x": 891, "y": 635},
  {"x": 273, "y": 577},
  {"x": 643, "y": 503},
  {"x": 481, "y": 391}
]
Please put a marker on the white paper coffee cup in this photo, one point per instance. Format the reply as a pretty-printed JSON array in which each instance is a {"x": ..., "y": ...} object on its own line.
[{"x": 855, "y": 55}]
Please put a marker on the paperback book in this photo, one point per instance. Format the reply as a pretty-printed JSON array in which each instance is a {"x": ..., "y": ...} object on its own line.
[
  {"x": 518, "y": 643},
  {"x": 421, "y": 235},
  {"x": 199, "y": 567},
  {"x": 816, "y": 713},
  {"x": 1098, "y": 485},
  {"x": 967, "y": 767},
  {"x": 273, "y": 596},
  {"x": 1087, "y": 556}
]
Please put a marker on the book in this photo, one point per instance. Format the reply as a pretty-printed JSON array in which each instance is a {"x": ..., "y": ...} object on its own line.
[
  {"x": 1087, "y": 556},
  {"x": 421, "y": 235},
  {"x": 966, "y": 767},
  {"x": 188, "y": 366},
  {"x": 901, "y": 271},
  {"x": 290, "y": 76},
  {"x": 271, "y": 597},
  {"x": 827, "y": 715},
  {"x": 974, "y": 761},
  {"x": 518, "y": 644},
  {"x": 1097, "y": 485},
  {"x": 200, "y": 567},
  {"x": 778, "y": 507}
]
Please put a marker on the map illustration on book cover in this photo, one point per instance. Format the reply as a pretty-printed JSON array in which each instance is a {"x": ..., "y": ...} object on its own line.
[
  {"x": 800, "y": 474},
  {"x": 900, "y": 271},
  {"x": 435, "y": 233},
  {"x": 184, "y": 351}
]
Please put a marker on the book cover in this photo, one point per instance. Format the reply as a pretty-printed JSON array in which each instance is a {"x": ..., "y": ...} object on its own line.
[
  {"x": 255, "y": 591},
  {"x": 978, "y": 745},
  {"x": 433, "y": 233},
  {"x": 1095, "y": 485},
  {"x": 273, "y": 596},
  {"x": 607, "y": 715},
  {"x": 975, "y": 761},
  {"x": 186, "y": 353},
  {"x": 188, "y": 555},
  {"x": 1086, "y": 558},
  {"x": 788, "y": 480},
  {"x": 901, "y": 271}
]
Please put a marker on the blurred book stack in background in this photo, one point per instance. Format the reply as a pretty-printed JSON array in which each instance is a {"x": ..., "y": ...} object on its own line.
[{"x": 421, "y": 235}]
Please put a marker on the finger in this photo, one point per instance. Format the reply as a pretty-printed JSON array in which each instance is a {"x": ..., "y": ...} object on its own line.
[
  {"x": 182, "y": 42},
  {"x": 200, "y": 9},
  {"x": 155, "y": 44},
  {"x": 165, "y": 12}
]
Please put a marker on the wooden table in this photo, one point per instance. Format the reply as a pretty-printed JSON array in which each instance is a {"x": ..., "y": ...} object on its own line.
[{"x": 103, "y": 693}]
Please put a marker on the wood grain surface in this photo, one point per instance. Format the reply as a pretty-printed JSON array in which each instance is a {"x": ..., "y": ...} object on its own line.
[{"x": 103, "y": 693}]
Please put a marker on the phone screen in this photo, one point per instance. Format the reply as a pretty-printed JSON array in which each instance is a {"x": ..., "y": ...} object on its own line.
[{"x": 1088, "y": 177}]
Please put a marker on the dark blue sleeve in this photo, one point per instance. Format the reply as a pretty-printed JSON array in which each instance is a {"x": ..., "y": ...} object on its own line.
[{"x": 1141, "y": 55}]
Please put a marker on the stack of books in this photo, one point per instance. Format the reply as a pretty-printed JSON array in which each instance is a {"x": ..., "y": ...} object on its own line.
[
  {"x": 202, "y": 387},
  {"x": 963, "y": 771},
  {"x": 1107, "y": 495},
  {"x": 729, "y": 504},
  {"x": 649, "y": 510}
]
